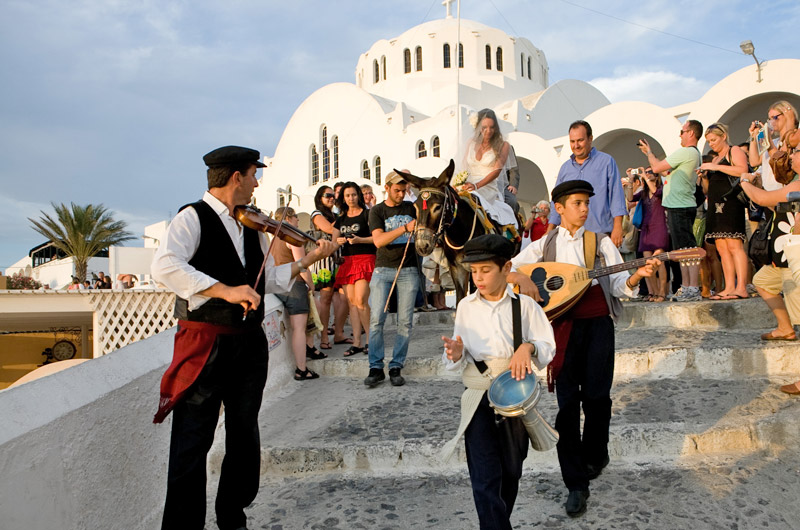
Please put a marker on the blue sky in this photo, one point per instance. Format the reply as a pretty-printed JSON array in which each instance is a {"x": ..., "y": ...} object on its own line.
[{"x": 116, "y": 101}]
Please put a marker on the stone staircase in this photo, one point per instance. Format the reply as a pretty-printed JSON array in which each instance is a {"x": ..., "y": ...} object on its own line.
[{"x": 695, "y": 395}]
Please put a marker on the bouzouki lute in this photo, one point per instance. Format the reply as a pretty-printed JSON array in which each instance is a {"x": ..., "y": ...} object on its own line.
[{"x": 561, "y": 285}]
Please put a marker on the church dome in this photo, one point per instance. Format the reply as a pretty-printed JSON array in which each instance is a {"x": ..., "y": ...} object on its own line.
[{"x": 424, "y": 65}]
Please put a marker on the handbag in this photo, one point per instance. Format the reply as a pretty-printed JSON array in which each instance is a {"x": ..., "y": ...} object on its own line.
[
  {"x": 638, "y": 215},
  {"x": 780, "y": 161},
  {"x": 758, "y": 247},
  {"x": 313, "y": 324}
]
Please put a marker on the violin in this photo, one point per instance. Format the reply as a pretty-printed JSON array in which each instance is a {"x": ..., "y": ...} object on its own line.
[{"x": 253, "y": 218}]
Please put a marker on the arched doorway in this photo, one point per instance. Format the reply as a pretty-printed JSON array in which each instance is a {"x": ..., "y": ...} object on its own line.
[
  {"x": 739, "y": 117},
  {"x": 532, "y": 186},
  {"x": 621, "y": 145}
]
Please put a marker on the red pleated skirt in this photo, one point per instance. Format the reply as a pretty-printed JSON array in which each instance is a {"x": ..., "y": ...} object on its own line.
[{"x": 354, "y": 268}]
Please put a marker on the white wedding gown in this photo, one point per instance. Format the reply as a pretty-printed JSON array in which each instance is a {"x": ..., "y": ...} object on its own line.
[{"x": 491, "y": 195}]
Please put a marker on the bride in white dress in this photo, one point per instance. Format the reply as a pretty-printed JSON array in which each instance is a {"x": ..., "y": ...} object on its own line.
[{"x": 486, "y": 157}]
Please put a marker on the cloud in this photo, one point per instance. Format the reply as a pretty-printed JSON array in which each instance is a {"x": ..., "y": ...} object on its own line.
[{"x": 660, "y": 87}]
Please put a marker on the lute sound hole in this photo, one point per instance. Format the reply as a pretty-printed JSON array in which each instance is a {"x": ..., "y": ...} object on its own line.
[{"x": 554, "y": 283}]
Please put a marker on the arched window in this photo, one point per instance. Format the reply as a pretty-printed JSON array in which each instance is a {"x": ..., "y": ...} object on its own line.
[
  {"x": 407, "y": 60},
  {"x": 488, "y": 57},
  {"x": 377, "y": 72},
  {"x": 499, "y": 59},
  {"x": 435, "y": 146},
  {"x": 326, "y": 156},
  {"x": 335, "y": 143},
  {"x": 421, "y": 151},
  {"x": 529, "y": 67},
  {"x": 460, "y": 55},
  {"x": 281, "y": 200},
  {"x": 521, "y": 65},
  {"x": 383, "y": 66},
  {"x": 365, "y": 169},
  {"x": 446, "y": 55},
  {"x": 377, "y": 170},
  {"x": 314, "y": 165},
  {"x": 418, "y": 55}
]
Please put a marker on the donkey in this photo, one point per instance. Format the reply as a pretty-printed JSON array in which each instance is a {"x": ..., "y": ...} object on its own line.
[{"x": 445, "y": 219}]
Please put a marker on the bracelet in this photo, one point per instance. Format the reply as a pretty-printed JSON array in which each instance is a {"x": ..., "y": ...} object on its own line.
[
  {"x": 745, "y": 179},
  {"x": 303, "y": 268}
]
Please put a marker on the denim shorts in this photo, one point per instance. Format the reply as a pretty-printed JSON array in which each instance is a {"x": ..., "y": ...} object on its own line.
[
  {"x": 680, "y": 222},
  {"x": 296, "y": 300}
]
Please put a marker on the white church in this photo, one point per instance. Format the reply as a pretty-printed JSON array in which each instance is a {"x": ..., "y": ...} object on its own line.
[{"x": 413, "y": 94}]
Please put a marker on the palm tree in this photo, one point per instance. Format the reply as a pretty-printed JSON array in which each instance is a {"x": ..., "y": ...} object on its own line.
[{"x": 81, "y": 232}]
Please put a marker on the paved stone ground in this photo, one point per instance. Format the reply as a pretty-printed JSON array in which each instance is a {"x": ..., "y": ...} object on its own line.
[{"x": 760, "y": 491}]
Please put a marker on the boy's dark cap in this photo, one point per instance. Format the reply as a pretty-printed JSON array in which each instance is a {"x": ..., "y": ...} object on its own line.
[
  {"x": 570, "y": 187},
  {"x": 233, "y": 155},
  {"x": 487, "y": 247}
]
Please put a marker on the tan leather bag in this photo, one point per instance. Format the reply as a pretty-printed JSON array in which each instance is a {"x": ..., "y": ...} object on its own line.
[{"x": 780, "y": 160}]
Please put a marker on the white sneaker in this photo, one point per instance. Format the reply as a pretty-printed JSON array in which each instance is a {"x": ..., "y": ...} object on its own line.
[{"x": 687, "y": 294}]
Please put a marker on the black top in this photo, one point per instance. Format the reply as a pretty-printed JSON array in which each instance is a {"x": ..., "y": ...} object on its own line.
[
  {"x": 355, "y": 226},
  {"x": 217, "y": 257},
  {"x": 388, "y": 218}
]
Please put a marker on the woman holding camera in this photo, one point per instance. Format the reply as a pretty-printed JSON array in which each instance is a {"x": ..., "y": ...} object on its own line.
[
  {"x": 351, "y": 231},
  {"x": 653, "y": 234},
  {"x": 782, "y": 118},
  {"x": 726, "y": 213},
  {"x": 536, "y": 226}
]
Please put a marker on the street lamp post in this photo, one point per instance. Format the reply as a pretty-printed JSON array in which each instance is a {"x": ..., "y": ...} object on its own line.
[{"x": 748, "y": 49}]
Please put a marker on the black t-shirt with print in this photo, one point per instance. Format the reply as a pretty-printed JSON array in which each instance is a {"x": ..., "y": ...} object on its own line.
[
  {"x": 355, "y": 226},
  {"x": 387, "y": 218}
]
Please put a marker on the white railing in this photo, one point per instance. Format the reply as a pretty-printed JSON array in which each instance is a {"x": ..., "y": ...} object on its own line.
[{"x": 124, "y": 317}]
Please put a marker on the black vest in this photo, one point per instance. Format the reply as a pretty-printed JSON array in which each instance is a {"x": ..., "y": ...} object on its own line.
[{"x": 217, "y": 257}]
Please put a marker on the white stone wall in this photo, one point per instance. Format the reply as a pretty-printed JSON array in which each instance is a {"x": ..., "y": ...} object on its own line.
[{"x": 78, "y": 449}]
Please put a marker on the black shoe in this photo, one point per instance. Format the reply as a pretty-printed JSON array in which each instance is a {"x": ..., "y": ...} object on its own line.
[
  {"x": 395, "y": 377},
  {"x": 592, "y": 471},
  {"x": 576, "y": 502},
  {"x": 375, "y": 376}
]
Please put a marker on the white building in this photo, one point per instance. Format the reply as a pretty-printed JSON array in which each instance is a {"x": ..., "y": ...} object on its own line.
[{"x": 413, "y": 95}]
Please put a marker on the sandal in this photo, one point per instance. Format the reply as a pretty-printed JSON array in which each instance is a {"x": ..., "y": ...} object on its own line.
[
  {"x": 348, "y": 340},
  {"x": 657, "y": 298},
  {"x": 315, "y": 354},
  {"x": 353, "y": 350},
  {"x": 302, "y": 375},
  {"x": 324, "y": 345}
]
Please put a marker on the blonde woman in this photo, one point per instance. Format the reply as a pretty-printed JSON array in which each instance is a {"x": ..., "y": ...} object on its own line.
[
  {"x": 782, "y": 118},
  {"x": 726, "y": 214}
]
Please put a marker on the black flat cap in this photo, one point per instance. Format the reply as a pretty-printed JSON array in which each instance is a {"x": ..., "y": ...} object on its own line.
[
  {"x": 233, "y": 155},
  {"x": 572, "y": 186},
  {"x": 486, "y": 247}
]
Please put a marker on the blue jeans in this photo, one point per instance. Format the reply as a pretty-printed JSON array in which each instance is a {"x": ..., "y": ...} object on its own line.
[{"x": 406, "y": 290}]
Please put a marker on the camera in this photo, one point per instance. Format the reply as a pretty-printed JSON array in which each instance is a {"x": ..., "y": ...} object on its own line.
[
  {"x": 792, "y": 204},
  {"x": 635, "y": 171}
]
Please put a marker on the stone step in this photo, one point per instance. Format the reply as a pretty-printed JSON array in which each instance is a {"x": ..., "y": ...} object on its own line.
[
  {"x": 337, "y": 424},
  {"x": 751, "y": 313},
  {"x": 641, "y": 352},
  {"x": 756, "y": 491}
]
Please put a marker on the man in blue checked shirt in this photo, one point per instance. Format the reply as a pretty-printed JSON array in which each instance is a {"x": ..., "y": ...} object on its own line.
[{"x": 600, "y": 170}]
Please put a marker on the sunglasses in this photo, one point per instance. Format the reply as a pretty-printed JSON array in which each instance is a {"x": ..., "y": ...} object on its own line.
[
  {"x": 328, "y": 195},
  {"x": 778, "y": 115}
]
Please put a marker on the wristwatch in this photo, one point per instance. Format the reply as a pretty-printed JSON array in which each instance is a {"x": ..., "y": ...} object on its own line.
[
  {"x": 745, "y": 179},
  {"x": 535, "y": 349},
  {"x": 300, "y": 264}
]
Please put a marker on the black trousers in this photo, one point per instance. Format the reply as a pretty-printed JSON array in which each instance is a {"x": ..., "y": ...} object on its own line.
[
  {"x": 585, "y": 380},
  {"x": 495, "y": 453},
  {"x": 234, "y": 376}
]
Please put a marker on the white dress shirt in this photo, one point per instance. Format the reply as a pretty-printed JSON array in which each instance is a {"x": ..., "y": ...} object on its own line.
[
  {"x": 569, "y": 249},
  {"x": 487, "y": 329},
  {"x": 171, "y": 261}
]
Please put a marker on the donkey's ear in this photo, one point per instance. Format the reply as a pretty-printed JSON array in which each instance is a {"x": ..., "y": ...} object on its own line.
[
  {"x": 414, "y": 180},
  {"x": 444, "y": 178}
]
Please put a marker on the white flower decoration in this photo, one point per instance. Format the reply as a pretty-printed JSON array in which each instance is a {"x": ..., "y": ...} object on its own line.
[
  {"x": 785, "y": 227},
  {"x": 473, "y": 119}
]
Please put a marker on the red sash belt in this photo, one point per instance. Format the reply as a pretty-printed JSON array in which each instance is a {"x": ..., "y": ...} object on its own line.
[
  {"x": 592, "y": 304},
  {"x": 193, "y": 344}
]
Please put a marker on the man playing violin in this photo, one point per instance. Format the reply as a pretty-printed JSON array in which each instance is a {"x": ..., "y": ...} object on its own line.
[{"x": 213, "y": 264}]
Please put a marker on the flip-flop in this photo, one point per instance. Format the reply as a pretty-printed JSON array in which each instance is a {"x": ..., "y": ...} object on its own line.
[
  {"x": 324, "y": 345},
  {"x": 770, "y": 336},
  {"x": 353, "y": 350},
  {"x": 348, "y": 340}
]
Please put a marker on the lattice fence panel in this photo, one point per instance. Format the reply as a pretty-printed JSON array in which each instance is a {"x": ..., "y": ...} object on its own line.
[{"x": 128, "y": 316}]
